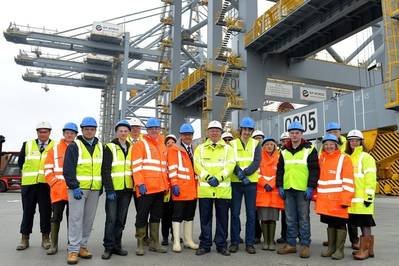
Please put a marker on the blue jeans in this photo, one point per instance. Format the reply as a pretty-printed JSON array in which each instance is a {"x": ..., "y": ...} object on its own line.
[
  {"x": 249, "y": 193},
  {"x": 297, "y": 213}
]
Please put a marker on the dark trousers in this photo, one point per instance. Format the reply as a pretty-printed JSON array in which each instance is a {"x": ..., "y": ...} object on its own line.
[
  {"x": 149, "y": 205},
  {"x": 222, "y": 222},
  {"x": 353, "y": 233},
  {"x": 58, "y": 211},
  {"x": 32, "y": 195},
  {"x": 184, "y": 210},
  {"x": 166, "y": 221},
  {"x": 115, "y": 219},
  {"x": 283, "y": 225},
  {"x": 258, "y": 229}
]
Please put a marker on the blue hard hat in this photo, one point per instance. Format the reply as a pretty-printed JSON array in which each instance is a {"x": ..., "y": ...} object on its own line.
[
  {"x": 333, "y": 126},
  {"x": 330, "y": 137},
  {"x": 70, "y": 126},
  {"x": 123, "y": 123},
  {"x": 186, "y": 128},
  {"x": 247, "y": 122},
  {"x": 296, "y": 126},
  {"x": 88, "y": 122},
  {"x": 153, "y": 122},
  {"x": 268, "y": 138}
]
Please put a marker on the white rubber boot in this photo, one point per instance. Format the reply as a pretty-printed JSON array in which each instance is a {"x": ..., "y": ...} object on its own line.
[
  {"x": 188, "y": 235},
  {"x": 176, "y": 237}
]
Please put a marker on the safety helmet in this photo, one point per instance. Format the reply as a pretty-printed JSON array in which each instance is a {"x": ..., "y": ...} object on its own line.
[
  {"x": 227, "y": 135},
  {"x": 215, "y": 124},
  {"x": 268, "y": 138},
  {"x": 295, "y": 126},
  {"x": 355, "y": 134},
  {"x": 258, "y": 133},
  {"x": 43, "y": 125},
  {"x": 186, "y": 128},
  {"x": 247, "y": 122},
  {"x": 329, "y": 137},
  {"x": 135, "y": 122},
  {"x": 70, "y": 126},
  {"x": 284, "y": 135},
  {"x": 88, "y": 122},
  {"x": 170, "y": 136},
  {"x": 123, "y": 123},
  {"x": 333, "y": 126},
  {"x": 153, "y": 122}
]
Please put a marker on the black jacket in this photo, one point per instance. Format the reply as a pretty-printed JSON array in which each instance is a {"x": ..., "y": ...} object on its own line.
[
  {"x": 22, "y": 155},
  {"x": 313, "y": 164}
]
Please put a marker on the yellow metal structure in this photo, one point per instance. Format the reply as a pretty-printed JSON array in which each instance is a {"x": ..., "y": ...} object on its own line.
[
  {"x": 166, "y": 43},
  {"x": 133, "y": 93},
  {"x": 167, "y": 2},
  {"x": 189, "y": 82},
  {"x": 234, "y": 24},
  {"x": 235, "y": 62},
  {"x": 166, "y": 64},
  {"x": 167, "y": 21},
  {"x": 164, "y": 86}
]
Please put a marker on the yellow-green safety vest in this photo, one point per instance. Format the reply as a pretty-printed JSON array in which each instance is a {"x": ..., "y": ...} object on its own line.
[
  {"x": 244, "y": 157},
  {"x": 342, "y": 147},
  {"x": 296, "y": 172},
  {"x": 88, "y": 169},
  {"x": 33, "y": 168},
  {"x": 215, "y": 161},
  {"x": 121, "y": 171}
]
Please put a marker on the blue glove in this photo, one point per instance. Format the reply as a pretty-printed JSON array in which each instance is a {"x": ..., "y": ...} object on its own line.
[
  {"x": 77, "y": 193},
  {"x": 142, "y": 189},
  {"x": 111, "y": 195},
  {"x": 268, "y": 188},
  {"x": 281, "y": 192},
  {"x": 308, "y": 193},
  {"x": 246, "y": 181},
  {"x": 241, "y": 175},
  {"x": 213, "y": 182},
  {"x": 176, "y": 190}
]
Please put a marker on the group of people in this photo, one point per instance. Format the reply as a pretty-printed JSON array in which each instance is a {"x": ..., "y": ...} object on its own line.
[{"x": 167, "y": 176}]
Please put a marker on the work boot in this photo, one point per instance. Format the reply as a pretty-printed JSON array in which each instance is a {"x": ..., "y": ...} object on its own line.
[
  {"x": 119, "y": 251},
  {"x": 339, "y": 245},
  {"x": 272, "y": 232},
  {"x": 363, "y": 252},
  {"x": 55, "y": 228},
  {"x": 72, "y": 258},
  {"x": 286, "y": 249},
  {"x": 176, "y": 237},
  {"x": 188, "y": 235},
  {"x": 24, "y": 244},
  {"x": 140, "y": 235},
  {"x": 331, "y": 236},
  {"x": 265, "y": 232},
  {"x": 305, "y": 252},
  {"x": 154, "y": 239},
  {"x": 106, "y": 254},
  {"x": 84, "y": 253},
  {"x": 46, "y": 241},
  {"x": 233, "y": 248}
]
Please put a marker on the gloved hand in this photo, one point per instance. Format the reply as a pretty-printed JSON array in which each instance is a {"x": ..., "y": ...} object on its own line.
[
  {"x": 77, "y": 193},
  {"x": 246, "y": 181},
  {"x": 268, "y": 188},
  {"x": 213, "y": 182},
  {"x": 344, "y": 206},
  {"x": 111, "y": 195},
  {"x": 241, "y": 175},
  {"x": 142, "y": 189},
  {"x": 281, "y": 192},
  {"x": 176, "y": 190},
  {"x": 308, "y": 193},
  {"x": 367, "y": 203}
]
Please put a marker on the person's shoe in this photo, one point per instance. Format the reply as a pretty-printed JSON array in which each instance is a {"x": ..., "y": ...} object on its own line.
[
  {"x": 331, "y": 236},
  {"x": 46, "y": 241},
  {"x": 106, "y": 255},
  {"x": 223, "y": 251},
  {"x": 305, "y": 252},
  {"x": 154, "y": 239},
  {"x": 140, "y": 235},
  {"x": 201, "y": 251},
  {"x": 286, "y": 249},
  {"x": 363, "y": 252},
  {"x": 271, "y": 234},
  {"x": 119, "y": 252},
  {"x": 176, "y": 237},
  {"x": 233, "y": 248},
  {"x": 24, "y": 244},
  {"x": 325, "y": 243},
  {"x": 55, "y": 228},
  {"x": 339, "y": 244},
  {"x": 265, "y": 232},
  {"x": 188, "y": 235},
  {"x": 281, "y": 241},
  {"x": 165, "y": 241},
  {"x": 84, "y": 253},
  {"x": 250, "y": 249},
  {"x": 72, "y": 258}
]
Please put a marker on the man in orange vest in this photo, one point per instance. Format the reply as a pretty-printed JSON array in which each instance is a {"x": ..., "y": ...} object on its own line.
[
  {"x": 53, "y": 171},
  {"x": 149, "y": 167}
]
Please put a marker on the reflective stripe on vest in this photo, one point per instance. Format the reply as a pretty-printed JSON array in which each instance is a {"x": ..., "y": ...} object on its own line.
[
  {"x": 88, "y": 169},
  {"x": 296, "y": 172},
  {"x": 161, "y": 165},
  {"x": 244, "y": 158},
  {"x": 57, "y": 169},
  {"x": 121, "y": 172},
  {"x": 180, "y": 168}
]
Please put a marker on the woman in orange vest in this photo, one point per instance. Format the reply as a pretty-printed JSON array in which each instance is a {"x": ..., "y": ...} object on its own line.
[
  {"x": 53, "y": 171},
  {"x": 335, "y": 191},
  {"x": 268, "y": 201}
]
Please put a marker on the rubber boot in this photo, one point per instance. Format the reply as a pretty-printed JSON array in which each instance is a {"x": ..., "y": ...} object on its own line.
[
  {"x": 339, "y": 245},
  {"x": 331, "y": 236},
  {"x": 46, "y": 241},
  {"x": 176, "y": 237},
  {"x": 24, "y": 244},
  {"x": 272, "y": 232},
  {"x": 188, "y": 235},
  {"x": 371, "y": 247},
  {"x": 154, "y": 239},
  {"x": 55, "y": 228},
  {"x": 140, "y": 235},
  {"x": 363, "y": 252},
  {"x": 265, "y": 232}
]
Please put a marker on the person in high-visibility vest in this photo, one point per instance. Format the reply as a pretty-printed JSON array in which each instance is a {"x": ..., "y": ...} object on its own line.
[
  {"x": 248, "y": 154},
  {"x": 117, "y": 179},
  {"x": 227, "y": 137},
  {"x": 362, "y": 208},
  {"x": 82, "y": 173},
  {"x": 34, "y": 189},
  {"x": 183, "y": 187},
  {"x": 214, "y": 163},
  {"x": 335, "y": 191},
  {"x": 149, "y": 167},
  {"x": 53, "y": 171},
  {"x": 297, "y": 175},
  {"x": 258, "y": 135},
  {"x": 268, "y": 201}
]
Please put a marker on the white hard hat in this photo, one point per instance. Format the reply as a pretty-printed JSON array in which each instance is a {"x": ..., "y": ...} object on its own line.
[
  {"x": 215, "y": 124},
  {"x": 135, "y": 122},
  {"x": 171, "y": 136},
  {"x": 43, "y": 124},
  {"x": 284, "y": 135},
  {"x": 258, "y": 133},
  {"x": 227, "y": 135},
  {"x": 355, "y": 134}
]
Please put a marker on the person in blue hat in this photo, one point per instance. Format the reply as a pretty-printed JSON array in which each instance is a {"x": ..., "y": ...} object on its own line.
[{"x": 335, "y": 129}]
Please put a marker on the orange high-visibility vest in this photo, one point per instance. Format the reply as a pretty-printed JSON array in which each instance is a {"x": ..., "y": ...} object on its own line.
[
  {"x": 335, "y": 186},
  {"x": 268, "y": 168}
]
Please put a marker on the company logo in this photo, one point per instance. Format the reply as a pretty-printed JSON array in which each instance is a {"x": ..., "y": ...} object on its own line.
[
  {"x": 305, "y": 93},
  {"x": 99, "y": 28}
]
